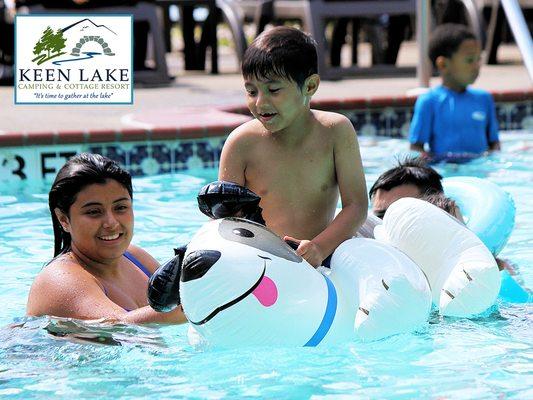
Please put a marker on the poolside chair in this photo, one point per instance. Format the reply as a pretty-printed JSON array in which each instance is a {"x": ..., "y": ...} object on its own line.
[
  {"x": 465, "y": 12},
  {"x": 218, "y": 10},
  {"x": 7, "y": 51},
  {"x": 314, "y": 15},
  {"x": 259, "y": 12},
  {"x": 499, "y": 28}
]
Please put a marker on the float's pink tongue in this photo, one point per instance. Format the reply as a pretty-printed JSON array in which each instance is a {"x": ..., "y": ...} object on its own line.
[{"x": 266, "y": 292}]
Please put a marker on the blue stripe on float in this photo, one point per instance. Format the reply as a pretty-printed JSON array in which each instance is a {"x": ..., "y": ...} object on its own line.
[{"x": 329, "y": 316}]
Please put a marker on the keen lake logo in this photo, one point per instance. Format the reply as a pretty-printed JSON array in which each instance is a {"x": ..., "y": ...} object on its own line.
[{"x": 73, "y": 59}]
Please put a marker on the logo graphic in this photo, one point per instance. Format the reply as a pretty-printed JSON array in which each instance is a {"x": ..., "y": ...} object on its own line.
[
  {"x": 478, "y": 116},
  {"x": 49, "y": 42},
  {"x": 76, "y": 59}
]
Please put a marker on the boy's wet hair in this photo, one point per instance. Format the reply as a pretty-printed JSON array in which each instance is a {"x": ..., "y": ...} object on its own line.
[
  {"x": 443, "y": 202},
  {"x": 446, "y": 39},
  {"x": 412, "y": 170},
  {"x": 281, "y": 52},
  {"x": 80, "y": 171}
]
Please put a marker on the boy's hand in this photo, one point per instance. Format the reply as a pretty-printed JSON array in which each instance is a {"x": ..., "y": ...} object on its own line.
[
  {"x": 495, "y": 146},
  {"x": 420, "y": 149},
  {"x": 425, "y": 156},
  {"x": 308, "y": 250}
]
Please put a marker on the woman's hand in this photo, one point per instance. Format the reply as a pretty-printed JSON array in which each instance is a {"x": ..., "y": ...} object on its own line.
[{"x": 308, "y": 250}]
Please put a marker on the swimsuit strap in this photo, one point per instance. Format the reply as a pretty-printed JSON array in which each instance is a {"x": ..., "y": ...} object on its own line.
[{"x": 137, "y": 263}]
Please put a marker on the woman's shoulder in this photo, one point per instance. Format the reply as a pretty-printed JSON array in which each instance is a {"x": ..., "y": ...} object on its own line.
[
  {"x": 63, "y": 268},
  {"x": 57, "y": 284},
  {"x": 63, "y": 262},
  {"x": 143, "y": 257}
]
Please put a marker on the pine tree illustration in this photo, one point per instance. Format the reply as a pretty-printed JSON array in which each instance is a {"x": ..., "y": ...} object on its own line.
[
  {"x": 49, "y": 42},
  {"x": 57, "y": 42},
  {"x": 40, "y": 45}
]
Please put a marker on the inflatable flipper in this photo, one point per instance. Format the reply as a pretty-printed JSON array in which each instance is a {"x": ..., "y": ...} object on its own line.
[
  {"x": 461, "y": 271},
  {"x": 240, "y": 284}
]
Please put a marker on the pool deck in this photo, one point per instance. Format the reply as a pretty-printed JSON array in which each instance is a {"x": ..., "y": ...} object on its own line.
[{"x": 199, "y": 104}]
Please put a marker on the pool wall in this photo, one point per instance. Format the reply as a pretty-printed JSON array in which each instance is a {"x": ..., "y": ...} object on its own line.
[{"x": 37, "y": 156}]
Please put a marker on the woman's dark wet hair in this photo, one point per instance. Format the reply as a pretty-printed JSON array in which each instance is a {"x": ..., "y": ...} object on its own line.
[
  {"x": 80, "y": 171},
  {"x": 281, "y": 52},
  {"x": 446, "y": 40},
  {"x": 413, "y": 171}
]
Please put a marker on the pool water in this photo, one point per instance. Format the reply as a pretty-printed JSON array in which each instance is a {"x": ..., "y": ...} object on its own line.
[{"x": 484, "y": 357}]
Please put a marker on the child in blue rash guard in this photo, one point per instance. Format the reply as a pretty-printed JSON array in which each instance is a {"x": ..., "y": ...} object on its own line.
[{"x": 453, "y": 117}]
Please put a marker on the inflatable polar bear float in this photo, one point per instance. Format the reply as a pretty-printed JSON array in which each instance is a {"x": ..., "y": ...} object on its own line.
[{"x": 240, "y": 284}]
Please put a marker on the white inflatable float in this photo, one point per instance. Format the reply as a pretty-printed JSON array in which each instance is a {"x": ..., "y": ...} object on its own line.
[
  {"x": 488, "y": 210},
  {"x": 461, "y": 271},
  {"x": 242, "y": 285}
]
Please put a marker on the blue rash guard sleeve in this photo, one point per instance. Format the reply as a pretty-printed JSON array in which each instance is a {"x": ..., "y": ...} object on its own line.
[
  {"x": 492, "y": 126},
  {"x": 420, "y": 129}
]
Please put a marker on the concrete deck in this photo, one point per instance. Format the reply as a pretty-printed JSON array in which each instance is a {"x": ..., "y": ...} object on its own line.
[{"x": 194, "y": 94}]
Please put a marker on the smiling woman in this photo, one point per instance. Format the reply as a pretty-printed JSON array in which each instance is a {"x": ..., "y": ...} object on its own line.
[{"x": 95, "y": 272}]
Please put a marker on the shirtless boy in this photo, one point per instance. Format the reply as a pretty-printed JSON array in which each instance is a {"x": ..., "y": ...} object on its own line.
[{"x": 297, "y": 159}]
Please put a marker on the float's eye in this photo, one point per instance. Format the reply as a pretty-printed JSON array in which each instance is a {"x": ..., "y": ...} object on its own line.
[
  {"x": 198, "y": 263},
  {"x": 243, "y": 232}
]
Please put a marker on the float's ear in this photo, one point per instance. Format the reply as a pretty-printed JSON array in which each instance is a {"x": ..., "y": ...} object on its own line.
[
  {"x": 163, "y": 287},
  {"x": 221, "y": 199},
  {"x": 180, "y": 251}
]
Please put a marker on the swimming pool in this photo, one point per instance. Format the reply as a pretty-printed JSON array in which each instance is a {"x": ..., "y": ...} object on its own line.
[{"x": 453, "y": 358}]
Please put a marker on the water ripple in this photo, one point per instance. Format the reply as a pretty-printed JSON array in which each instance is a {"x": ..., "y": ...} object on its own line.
[{"x": 486, "y": 357}]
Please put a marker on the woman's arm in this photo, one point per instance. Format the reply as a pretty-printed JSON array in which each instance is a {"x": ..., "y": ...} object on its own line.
[
  {"x": 66, "y": 290},
  {"x": 147, "y": 315}
]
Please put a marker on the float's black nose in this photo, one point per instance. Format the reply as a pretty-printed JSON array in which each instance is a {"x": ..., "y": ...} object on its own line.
[{"x": 197, "y": 263}]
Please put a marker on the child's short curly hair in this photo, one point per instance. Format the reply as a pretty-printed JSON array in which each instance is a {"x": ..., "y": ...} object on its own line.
[
  {"x": 446, "y": 39},
  {"x": 283, "y": 52}
]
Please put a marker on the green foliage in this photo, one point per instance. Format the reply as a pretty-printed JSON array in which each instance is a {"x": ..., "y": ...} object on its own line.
[
  {"x": 49, "y": 42},
  {"x": 47, "y": 38},
  {"x": 57, "y": 41},
  {"x": 40, "y": 46}
]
